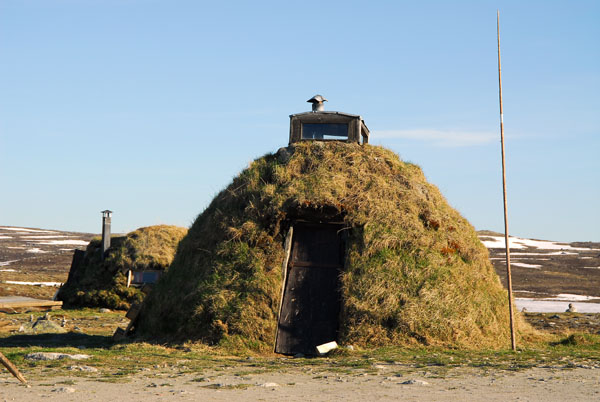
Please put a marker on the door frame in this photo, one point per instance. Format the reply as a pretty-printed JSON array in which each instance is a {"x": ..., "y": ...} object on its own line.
[{"x": 288, "y": 244}]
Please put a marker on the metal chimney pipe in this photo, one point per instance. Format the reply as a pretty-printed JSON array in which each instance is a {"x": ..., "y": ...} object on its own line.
[
  {"x": 106, "y": 215},
  {"x": 317, "y": 103}
]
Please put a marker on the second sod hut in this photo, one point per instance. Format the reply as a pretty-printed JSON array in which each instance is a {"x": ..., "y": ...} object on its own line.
[
  {"x": 324, "y": 241},
  {"x": 114, "y": 278}
]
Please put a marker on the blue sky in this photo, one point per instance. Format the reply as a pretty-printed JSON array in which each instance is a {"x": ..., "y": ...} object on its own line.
[{"x": 150, "y": 108}]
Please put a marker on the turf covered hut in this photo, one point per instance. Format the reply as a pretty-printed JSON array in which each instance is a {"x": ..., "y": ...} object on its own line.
[
  {"x": 114, "y": 278},
  {"x": 329, "y": 240}
]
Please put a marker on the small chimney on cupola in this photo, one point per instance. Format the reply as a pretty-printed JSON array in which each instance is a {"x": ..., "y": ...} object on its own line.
[
  {"x": 317, "y": 103},
  {"x": 106, "y": 214}
]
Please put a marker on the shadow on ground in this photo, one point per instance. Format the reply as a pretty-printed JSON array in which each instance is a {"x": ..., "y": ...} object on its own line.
[{"x": 70, "y": 339}]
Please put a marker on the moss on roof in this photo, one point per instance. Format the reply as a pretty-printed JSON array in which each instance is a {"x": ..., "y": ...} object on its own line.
[
  {"x": 415, "y": 270},
  {"x": 97, "y": 283}
]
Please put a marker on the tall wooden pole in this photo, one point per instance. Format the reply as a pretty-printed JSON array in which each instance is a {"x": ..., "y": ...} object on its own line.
[{"x": 508, "y": 276}]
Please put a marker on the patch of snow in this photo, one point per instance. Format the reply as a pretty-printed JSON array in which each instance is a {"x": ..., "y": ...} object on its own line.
[
  {"x": 27, "y": 230},
  {"x": 551, "y": 306},
  {"x": 552, "y": 253},
  {"x": 55, "y": 284},
  {"x": 519, "y": 243},
  {"x": 36, "y": 250},
  {"x": 8, "y": 270},
  {"x": 591, "y": 267},
  {"x": 571, "y": 297},
  {"x": 586, "y": 258},
  {"x": 5, "y": 237},
  {"x": 56, "y": 242},
  {"x": 5, "y": 263},
  {"x": 42, "y": 237},
  {"x": 65, "y": 249},
  {"x": 16, "y": 248},
  {"x": 523, "y": 265},
  {"x": 498, "y": 242}
]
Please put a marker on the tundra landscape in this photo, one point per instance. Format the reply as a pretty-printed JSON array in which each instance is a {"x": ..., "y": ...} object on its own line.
[{"x": 289, "y": 197}]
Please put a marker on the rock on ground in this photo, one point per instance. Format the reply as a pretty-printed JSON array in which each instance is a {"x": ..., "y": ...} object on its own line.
[{"x": 54, "y": 356}]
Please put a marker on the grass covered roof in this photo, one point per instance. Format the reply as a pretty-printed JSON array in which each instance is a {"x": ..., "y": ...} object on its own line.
[
  {"x": 415, "y": 270},
  {"x": 94, "y": 282}
]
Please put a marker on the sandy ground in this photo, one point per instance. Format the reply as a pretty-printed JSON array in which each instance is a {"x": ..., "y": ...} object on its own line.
[{"x": 466, "y": 384}]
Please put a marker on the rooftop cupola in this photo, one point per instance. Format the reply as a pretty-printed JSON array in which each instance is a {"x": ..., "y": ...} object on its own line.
[{"x": 321, "y": 125}]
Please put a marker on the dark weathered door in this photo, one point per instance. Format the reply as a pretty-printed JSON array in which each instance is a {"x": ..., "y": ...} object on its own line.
[{"x": 311, "y": 300}]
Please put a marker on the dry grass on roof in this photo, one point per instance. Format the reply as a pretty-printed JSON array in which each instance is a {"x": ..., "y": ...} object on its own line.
[{"x": 415, "y": 271}]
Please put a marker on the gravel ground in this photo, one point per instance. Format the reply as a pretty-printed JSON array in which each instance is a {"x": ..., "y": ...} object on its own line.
[{"x": 537, "y": 384}]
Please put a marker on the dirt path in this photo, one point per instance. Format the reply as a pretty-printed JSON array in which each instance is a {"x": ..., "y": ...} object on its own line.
[{"x": 467, "y": 384}]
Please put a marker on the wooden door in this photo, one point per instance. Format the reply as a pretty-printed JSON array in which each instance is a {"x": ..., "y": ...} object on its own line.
[{"x": 311, "y": 299}]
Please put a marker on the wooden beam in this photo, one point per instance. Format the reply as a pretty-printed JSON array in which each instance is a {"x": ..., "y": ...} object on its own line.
[
  {"x": 284, "y": 268},
  {"x": 21, "y": 302},
  {"x": 12, "y": 368}
]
